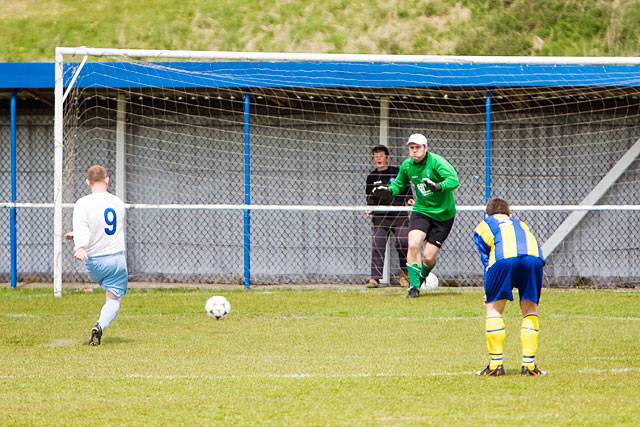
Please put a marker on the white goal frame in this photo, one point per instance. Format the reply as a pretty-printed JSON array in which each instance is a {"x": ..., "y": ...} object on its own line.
[{"x": 83, "y": 52}]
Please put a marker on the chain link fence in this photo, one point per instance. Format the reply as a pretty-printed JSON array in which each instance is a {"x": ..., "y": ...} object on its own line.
[
  {"x": 5, "y": 196},
  {"x": 317, "y": 153},
  {"x": 34, "y": 184}
]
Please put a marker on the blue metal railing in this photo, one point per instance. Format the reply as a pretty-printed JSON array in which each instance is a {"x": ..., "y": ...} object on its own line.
[
  {"x": 247, "y": 190},
  {"x": 12, "y": 218}
]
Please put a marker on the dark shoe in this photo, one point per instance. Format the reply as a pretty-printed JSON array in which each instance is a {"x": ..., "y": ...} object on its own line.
[
  {"x": 488, "y": 372},
  {"x": 413, "y": 292},
  {"x": 96, "y": 335},
  {"x": 535, "y": 372},
  {"x": 373, "y": 283}
]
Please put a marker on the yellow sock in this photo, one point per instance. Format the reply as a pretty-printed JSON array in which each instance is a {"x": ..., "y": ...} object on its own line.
[
  {"x": 495, "y": 336},
  {"x": 529, "y": 333}
]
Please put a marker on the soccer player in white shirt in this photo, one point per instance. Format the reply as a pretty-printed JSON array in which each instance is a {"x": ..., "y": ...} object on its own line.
[{"x": 98, "y": 236}]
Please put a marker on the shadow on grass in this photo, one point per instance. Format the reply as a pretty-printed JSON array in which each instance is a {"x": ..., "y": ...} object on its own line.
[
  {"x": 116, "y": 340},
  {"x": 402, "y": 292}
]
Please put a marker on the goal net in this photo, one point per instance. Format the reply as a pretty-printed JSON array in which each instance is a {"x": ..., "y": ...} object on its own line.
[{"x": 241, "y": 168}]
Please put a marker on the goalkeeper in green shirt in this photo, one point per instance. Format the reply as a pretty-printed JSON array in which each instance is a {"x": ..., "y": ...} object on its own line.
[{"x": 433, "y": 180}]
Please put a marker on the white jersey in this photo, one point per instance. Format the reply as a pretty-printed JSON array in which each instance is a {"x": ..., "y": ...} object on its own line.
[{"x": 98, "y": 221}]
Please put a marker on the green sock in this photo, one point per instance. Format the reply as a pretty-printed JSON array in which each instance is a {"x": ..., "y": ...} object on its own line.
[
  {"x": 424, "y": 270},
  {"x": 413, "y": 270}
]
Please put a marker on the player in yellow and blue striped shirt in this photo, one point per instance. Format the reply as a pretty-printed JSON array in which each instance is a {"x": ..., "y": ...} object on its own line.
[{"x": 512, "y": 259}]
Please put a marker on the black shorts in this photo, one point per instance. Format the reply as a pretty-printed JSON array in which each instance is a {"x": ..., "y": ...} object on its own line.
[{"x": 437, "y": 231}]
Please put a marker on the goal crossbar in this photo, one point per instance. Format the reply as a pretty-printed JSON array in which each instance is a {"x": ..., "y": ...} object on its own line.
[{"x": 314, "y": 57}]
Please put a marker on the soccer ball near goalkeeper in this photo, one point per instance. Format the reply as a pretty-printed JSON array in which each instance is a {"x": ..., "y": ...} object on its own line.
[
  {"x": 217, "y": 307},
  {"x": 430, "y": 283}
]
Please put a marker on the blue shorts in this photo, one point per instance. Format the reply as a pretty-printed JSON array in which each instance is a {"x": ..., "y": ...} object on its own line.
[
  {"x": 523, "y": 272},
  {"x": 110, "y": 271}
]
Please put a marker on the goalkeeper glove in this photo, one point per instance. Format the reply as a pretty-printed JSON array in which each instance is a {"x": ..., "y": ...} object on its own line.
[
  {"x": 434, "y": 187},
  {"x": 383, "y": 193}
]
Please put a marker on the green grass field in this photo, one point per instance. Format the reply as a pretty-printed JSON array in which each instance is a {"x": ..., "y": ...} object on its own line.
[{"x": 313, "y": 357}]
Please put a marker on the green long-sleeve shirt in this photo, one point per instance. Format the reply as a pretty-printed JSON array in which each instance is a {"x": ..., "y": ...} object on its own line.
[{"x": 440, "y": 206}]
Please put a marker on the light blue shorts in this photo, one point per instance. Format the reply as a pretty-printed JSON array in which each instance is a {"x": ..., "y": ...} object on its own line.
[{"x": 110, "y": 271}]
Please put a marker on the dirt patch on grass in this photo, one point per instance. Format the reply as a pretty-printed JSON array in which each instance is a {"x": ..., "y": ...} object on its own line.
[{"x": 31, "y": 8}]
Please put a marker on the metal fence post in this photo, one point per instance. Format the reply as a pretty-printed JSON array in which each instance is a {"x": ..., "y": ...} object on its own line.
[{"x": 12, "y": 218}]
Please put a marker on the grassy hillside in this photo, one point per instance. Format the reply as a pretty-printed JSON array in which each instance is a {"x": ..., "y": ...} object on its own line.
[{"x": 32, "y": 28}]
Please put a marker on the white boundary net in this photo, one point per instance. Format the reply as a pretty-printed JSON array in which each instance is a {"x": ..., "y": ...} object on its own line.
[{"x": 174, "y": 134}]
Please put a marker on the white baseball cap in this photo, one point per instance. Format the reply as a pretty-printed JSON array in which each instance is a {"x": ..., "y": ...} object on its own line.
[{"x": 417, "y": 138}]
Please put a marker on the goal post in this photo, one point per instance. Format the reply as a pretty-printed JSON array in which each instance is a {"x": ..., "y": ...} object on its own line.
[
  {"x": 250, "y": 167},
  {"x": 58, "y": 138}
]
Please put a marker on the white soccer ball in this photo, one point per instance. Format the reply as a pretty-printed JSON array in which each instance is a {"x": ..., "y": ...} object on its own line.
[
  {"x": 430, "y": 283},
  {"x": 217, "y": 307}
]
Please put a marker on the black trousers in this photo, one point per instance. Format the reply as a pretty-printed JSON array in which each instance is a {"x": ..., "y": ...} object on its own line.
[{"x": 380, "y": 232}]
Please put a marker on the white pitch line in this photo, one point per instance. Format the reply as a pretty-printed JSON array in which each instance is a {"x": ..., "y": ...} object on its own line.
[
  {"x": 20, "y": 316},
  {"x": 608, "y": 371},
  {"x": 578, "y": 317},
  {"x": 326, "y": 317},
  {"x": 372, "y": 375},
  {"x": 328, "y": 376},
  {"x": 303, "y": 376}
]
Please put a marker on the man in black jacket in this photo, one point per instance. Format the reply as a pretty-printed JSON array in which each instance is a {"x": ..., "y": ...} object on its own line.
[{"x": 384, "y": 223}]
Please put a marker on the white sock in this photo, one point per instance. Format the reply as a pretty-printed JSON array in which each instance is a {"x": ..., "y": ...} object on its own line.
[{"x": 108, "y": 313}]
